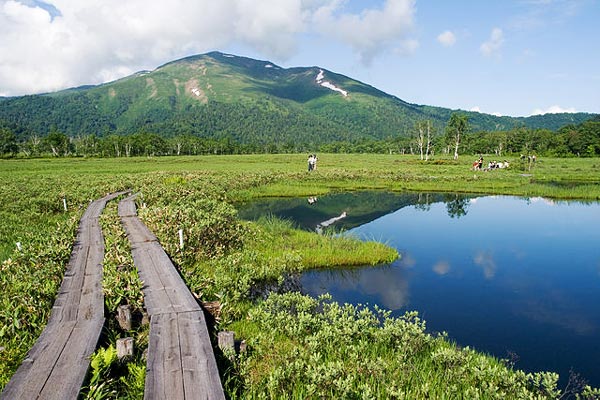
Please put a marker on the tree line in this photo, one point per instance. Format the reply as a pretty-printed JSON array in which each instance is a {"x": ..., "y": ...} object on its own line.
[{"x": 425, "y": 139}]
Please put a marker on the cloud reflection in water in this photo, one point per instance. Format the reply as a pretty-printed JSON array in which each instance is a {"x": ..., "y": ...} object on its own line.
[
  {"x": 485, "y": 260},
  {"x": 386, "y": 285}
]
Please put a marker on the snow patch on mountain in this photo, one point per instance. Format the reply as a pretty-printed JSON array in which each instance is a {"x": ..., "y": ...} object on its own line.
[{"x": 328, "y": 84}]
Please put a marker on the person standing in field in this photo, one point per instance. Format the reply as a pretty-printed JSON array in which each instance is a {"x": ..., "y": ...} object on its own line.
[{"x": 312, "y": 162}]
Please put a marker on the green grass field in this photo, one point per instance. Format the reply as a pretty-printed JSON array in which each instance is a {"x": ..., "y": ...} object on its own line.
[{"x": 226, "y": 259}]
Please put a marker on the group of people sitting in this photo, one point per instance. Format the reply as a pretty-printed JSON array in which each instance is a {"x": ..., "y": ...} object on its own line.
[{"x": 478, "y": 165}]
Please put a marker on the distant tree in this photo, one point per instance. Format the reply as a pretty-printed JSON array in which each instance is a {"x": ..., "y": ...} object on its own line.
[
  {"x": 424, "y": 137},
  {"x": 500, "y": 143},
  {"x": 147, "y": 144},
  {"x": 86, "y": 145},
  {"x": 31, "y": 147},
  {"x": 178, "y": 144},
  {"x": 57, "y": 142},
  {"x": 111, "y": 145},
  {"x": 8, "y": 142},
  {"x": 583, "y": 139},
  {"x": 457, "y": 126}
]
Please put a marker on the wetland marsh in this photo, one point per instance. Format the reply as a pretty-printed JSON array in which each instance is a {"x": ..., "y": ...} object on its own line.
[{"x": 225, "y": 257}]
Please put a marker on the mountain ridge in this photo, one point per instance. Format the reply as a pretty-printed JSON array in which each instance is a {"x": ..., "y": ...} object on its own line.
[{"x": 218, "y": 95}]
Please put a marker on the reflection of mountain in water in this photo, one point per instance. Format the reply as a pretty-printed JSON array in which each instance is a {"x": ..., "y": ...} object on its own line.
[{"x": 360, "y": 207}]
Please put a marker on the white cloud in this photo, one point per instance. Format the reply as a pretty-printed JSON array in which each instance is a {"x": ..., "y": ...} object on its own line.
[
  {"x": 373, "y": 30},
  {"x": 447, "y": 38},
  {"x": 98, "y": 40},
  {"x": 272, "y": 28},
  {"x": 62, "y": 43},
  {"x": 477, "y": 109},
  {"x": 553, "y": 110},
  {"x": 493, "y": 44},
  {"x": 407, "y": 47}
]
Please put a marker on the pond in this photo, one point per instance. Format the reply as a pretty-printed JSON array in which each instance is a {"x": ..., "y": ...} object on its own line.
[{"x": 508, "y": 276}]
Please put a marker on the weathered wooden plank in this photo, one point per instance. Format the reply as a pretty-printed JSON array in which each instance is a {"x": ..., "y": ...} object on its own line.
[
  {"x": 127, "y": 208},
  {"x": 164, "y": 290},
  {"x": 164, "y": 379},
  {"x": 200, "y": 373},
  {"x": 181, "y": 362},
  {"x": 69, "y": 293},
  {"x": 56, "y": 365},
  {"x": 95, "y": 233},
  {"x": 155, "y": 298},
  {"x": 26, "y": 382},
  {"x": 71, "y": 367},
  {"x": 178, "y": 292},
  {"x": 91, "y": 302},
  {"x": 67, "y": 285},
  {"x": 137, "y": 231}
]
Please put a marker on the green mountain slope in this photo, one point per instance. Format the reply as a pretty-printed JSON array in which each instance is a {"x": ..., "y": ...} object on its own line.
[{"x": 217, "y": 95}]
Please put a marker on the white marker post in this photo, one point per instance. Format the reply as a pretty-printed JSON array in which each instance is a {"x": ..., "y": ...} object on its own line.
[
  {"x": 65, "y": 203},
  {"x": 181, "y": 239}
]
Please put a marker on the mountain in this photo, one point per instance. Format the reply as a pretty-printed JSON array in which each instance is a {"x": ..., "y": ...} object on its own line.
[{"x": 217, "y": 95}]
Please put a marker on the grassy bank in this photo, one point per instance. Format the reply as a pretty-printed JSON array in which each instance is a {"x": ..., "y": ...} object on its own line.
[{"x": 243, "y": 264}]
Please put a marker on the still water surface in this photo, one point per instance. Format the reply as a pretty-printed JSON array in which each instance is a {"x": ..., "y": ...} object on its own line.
[{"x": 500, "y": 274}]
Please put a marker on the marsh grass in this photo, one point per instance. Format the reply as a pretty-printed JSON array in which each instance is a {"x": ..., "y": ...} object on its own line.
[
  {"x": 319, "y": 250},
  {"x": 344, "y": 351}
]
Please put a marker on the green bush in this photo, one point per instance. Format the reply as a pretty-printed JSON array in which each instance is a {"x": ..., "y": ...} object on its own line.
[
  {"x": 210, "y": 228},
  {"x": 304, "y": 347}
]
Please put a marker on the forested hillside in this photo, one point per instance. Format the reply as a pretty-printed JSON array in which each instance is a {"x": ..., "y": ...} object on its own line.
[{"x": 250, "y": 102}]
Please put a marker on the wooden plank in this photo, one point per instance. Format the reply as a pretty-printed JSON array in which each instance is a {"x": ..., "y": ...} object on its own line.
[
  {"x": 91, "y": 302},
  {"x": 181, "y": 362},
  {"x": 137, "y": 232},
  {"x": 70, "y": 291},
  {"x": 180, "y": 296},
  {"x": 56, "y": 365},
  {"x": 155, "y": 298},
  {"x": 31, "y": 376},
  {"x": 71, "y": 367},
  {"x": 200, "y": 372},
  {"x": 127, "y": 208},
  {"x": 164, "y": 379},
  {"x": 164, "y": 290}
]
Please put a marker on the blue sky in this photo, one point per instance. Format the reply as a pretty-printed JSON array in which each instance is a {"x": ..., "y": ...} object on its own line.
[{"x": 512, "y": 57}]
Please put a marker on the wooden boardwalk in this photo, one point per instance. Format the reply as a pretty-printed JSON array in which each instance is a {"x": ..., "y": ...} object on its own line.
[
  {"x": 56, "y": 365},
  {"x": 181, "y": 363}
]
